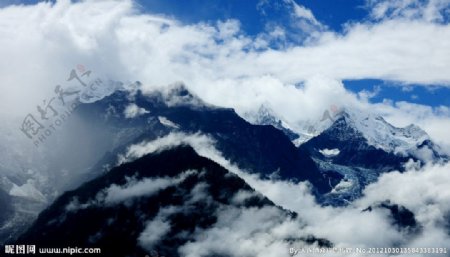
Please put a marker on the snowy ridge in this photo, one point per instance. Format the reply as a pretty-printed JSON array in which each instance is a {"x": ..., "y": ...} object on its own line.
[
  {"x": 374, "y": 128},
  {"x": 381, "y": 134}
]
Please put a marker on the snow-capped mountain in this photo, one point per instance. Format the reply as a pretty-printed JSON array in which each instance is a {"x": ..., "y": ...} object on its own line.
[
  {"x": 352, "y": 148},
  {"x": 361, "y": 149},
  {"x": 375, "y": 131},
  {"x": 408, "y": 141}
]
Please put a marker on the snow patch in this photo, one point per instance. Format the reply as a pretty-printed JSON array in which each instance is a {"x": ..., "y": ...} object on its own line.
[
  {"x": 380, "y": 134},
  {"x": 168, "y": 123},
  {"x": 344, "y": 185},
  {"x": 330, "y": 152}
]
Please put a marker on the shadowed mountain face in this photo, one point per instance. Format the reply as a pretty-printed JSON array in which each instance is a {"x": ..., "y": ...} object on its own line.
[
  {"x": 261, "y": 149},
  {"x": 354, "y": 149},
  {"x": 343, "y": 149},
  {"x": 6, "y": 207},
  {"x": 164, "y": 203}
]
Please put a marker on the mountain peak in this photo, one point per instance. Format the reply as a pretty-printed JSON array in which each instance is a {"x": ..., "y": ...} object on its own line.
[
  {"x": 266, "y": 116},
  {"x": 383, "y": 135},
  {"x": 177, "y": 94}
]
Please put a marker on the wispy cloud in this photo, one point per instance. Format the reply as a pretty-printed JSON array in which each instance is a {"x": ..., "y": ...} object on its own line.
[
  {"x": 428, "y": 10},
  {"x": 132, "y": 111}
]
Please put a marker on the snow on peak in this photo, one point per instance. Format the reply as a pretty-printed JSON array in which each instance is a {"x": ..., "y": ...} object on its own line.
[
  {"x": 381, "y": 134},
  {"x": 329, "y": 152},
  {"x": 374, "y": 128},
  {"x": 266, "y": 116}
]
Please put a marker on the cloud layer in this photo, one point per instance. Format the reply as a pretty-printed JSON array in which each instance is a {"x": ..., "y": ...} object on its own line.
[
  {"x": 41, "y": 43},
  {"x": 423, "y": 191}
]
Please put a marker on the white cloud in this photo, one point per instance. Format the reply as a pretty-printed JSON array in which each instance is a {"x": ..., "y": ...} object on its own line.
[
  {"x": 123, "y": 194},
  {"x": 303, "y": 12},
  {"x": 367, "y": 95},
  {"x": 258, "y": 232},
  {"x": 153, "y": 232},
  {"x": 424, "y": 192},
  {"x": 27, "y": 190},
  {"x": 203, "y": 144},
  {"x": 190, "y": 53},
  {"x": 115, "y": 194},
  {"x": 428, "y": 10},
  {"x": 132, "y": 110}
]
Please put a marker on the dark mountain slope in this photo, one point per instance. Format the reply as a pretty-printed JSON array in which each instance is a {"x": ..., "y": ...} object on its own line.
[
  {"x": 260, "y": 149},
  {"x": 6, "y": 207},
  {"x": 173, "y": 196}
]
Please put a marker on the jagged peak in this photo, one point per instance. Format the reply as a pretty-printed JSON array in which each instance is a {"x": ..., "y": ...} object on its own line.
[{"x": 381, "y": 134}]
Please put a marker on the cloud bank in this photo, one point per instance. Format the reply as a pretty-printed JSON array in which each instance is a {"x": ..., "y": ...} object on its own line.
[
  {"x": 217, "y": 60},
  {"x": 423, "y": 191}
]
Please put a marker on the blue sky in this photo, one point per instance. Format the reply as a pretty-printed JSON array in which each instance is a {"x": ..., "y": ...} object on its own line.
[
  {"x": 432, "y": 95},
  {"x": 333, "y": 13}
]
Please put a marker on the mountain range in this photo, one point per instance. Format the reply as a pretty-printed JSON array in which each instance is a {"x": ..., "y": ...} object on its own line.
[{"x": 108, "y": 201}]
